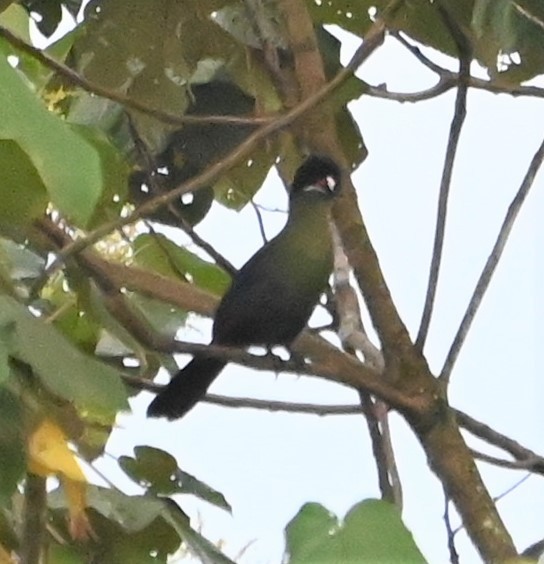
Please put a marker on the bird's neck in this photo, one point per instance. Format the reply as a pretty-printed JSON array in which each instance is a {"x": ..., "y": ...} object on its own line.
[
  {"x": 308, "y": 224},
  {"x": 309, "y": 211}
]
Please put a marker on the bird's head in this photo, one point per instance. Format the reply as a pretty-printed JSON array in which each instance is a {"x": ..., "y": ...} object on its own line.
[{"x": 318, "y": 175}]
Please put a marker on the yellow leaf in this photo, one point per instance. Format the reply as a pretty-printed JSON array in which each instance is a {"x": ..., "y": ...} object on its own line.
[{"x": 49, "y": 453}]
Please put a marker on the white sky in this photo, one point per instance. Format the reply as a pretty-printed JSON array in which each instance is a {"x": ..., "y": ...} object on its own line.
[{"x": 268, "y": 465}]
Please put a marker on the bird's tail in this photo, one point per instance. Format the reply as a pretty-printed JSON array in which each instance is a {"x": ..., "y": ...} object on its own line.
[{"x": 186, "y": 388}]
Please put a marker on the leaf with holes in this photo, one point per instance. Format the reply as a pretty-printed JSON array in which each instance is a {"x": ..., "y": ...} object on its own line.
[{"x": 158, "y": 471}]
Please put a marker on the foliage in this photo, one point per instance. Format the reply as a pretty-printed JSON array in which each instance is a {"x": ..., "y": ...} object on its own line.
[{"x": 71, "y": 160}]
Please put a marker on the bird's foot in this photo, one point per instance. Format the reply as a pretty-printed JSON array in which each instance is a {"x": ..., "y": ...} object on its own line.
[
  {"x": 297, "y": 359},
  {"x": 275, "y": 359}
]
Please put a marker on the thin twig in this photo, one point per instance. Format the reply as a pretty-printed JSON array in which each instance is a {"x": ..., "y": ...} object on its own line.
[
  {"x": 444, "y": 84},
  {"x": 511, "y": 488},
  {"x": 528, "y": 464},
  {"x": 260, "y": 221},
  {"x": 418, "y": 54},
  {"x": 77, "y": 80},
  {"x": 486, "y": 433},
  {"x": 445, "y": 183},
  {"x": 492, "y": 261},
  {"x": 454, "y": 556}
]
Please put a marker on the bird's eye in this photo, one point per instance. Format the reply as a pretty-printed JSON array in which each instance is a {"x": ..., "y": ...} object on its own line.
[{"x": 331, "y": 183}]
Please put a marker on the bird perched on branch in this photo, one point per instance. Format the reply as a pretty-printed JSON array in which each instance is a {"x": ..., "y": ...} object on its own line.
[{"x": 273, "y": 295}]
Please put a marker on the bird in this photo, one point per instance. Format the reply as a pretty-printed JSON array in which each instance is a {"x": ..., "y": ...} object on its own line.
[{"x": 272, "y": 297}]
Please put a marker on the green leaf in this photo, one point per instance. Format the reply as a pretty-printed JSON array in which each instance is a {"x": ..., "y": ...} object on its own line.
[
  {"x": 114, "y": 170},
  {"x": 128, "y": 528},
  {"x": 202, "y": 548},
  {"x": 23, "y": 264},
  {"x": 62, "y": 554},
  {"x": 94, "y": 387},
  {"x": 372, "y": 531},
  {"x": 23, "y": 196},
  {"x": 133, "y": 513},
  {"x": 158, "y": 471},
  {"x": 235, "y": 20},
  {"x": 351, "y": 139},
  {"x": 12, "y": 445},
  {"x": 240, "y": 183},
  {"x": 68, "y": 165},
  {"x": 15, "y": 18},
  {"x": 158, "y": 253},
  {"x": 502, "y": 28},
  {"x": 344, "y": 13},
  {"x": 163, "y": 317}
]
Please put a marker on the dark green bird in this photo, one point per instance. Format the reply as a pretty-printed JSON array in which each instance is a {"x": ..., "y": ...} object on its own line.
[{"x": 273, "y": 295}]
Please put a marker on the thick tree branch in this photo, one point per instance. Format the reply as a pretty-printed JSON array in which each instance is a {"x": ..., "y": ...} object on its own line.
[
  {"x": 492, "y": 262},
  {"x": 434, "y": 424}
]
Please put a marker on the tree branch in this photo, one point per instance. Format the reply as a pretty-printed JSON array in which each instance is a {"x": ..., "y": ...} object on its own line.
[
  {"x": 445, "y": 183},
  {"x": 351, "y": 333},
  {"x": 486, "y": 433},
  {"x": 34, "y": 519},
  {"x": 528, "y": 464},
  {"x": 454, "y": 556},
  {"x": 492, "y": 262}
]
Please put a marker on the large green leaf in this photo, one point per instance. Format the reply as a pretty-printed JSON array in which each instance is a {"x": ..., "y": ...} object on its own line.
[
  {"x": 69, "y": 166},
  {"x": 158, "y": 471},
  {"x": 372, "y": 531},
  {"x": 94, "y": 387},
  {"x": 165, "y": 257}
]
